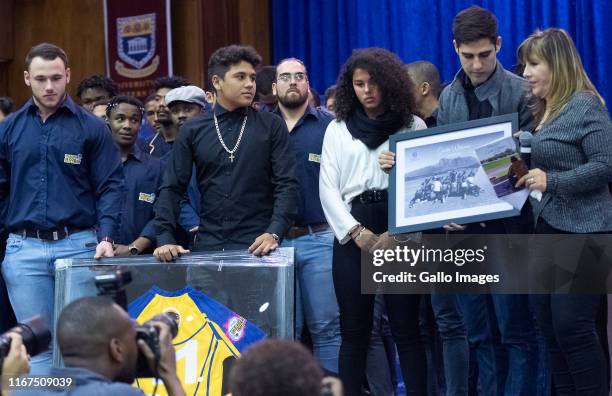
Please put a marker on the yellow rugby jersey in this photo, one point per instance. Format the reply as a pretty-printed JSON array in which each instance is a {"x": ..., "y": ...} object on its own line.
[{"x": 210, "y": 337}]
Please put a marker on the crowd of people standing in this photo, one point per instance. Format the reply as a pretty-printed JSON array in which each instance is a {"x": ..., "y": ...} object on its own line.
[{"x": 230, "y": 167}]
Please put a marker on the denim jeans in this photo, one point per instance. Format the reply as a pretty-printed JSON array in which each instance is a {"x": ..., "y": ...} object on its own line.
[
  {"x": 455, "y": 350},
  {"x": 517, "y": 333},
  {"x": 514, "y": 372},
  {"x": 29, "y": 272},
  {"x": 316, "y": 303},
  {"x": 479, "y": 324}
]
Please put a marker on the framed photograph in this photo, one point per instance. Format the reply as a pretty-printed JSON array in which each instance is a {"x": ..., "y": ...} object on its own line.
[{"x": 439, "y": 177}]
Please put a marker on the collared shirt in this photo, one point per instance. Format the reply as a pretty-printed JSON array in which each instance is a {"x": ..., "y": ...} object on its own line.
[
  {"x": 63, "y": 172},
  {"x": 432, "y": 120},
  {"x": 146, "y": 132},
  {"x": 143, "y": 175},
  {"x": 477, "y": 108},
  {"x": 158, "y": 147},
  {"x": 306, "y": 139},
  {"x": 240, "y": 200},
  {"x": 84, "y": 383}
]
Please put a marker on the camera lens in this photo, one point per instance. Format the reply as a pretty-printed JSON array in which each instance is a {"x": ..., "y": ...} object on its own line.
[
  {"x": 35, "y": 333},
  {"x": 170, "y": 319}
]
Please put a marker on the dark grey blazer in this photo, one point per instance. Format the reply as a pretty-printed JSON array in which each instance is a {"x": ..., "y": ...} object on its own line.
[{"x": 575, "y": 151}]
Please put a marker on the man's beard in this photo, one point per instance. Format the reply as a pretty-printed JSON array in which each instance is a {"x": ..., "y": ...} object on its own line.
[{"x": 293, "y": 102}]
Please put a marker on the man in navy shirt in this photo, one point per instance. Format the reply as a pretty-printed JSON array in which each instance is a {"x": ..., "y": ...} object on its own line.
[
  {"x": 60, "y": 184},
  {"x": 142, "y": 177},
  {"x": 184, "y": 104},
  {"x": 311, "y": 235},
  {"x": 161, "y": 143},
  {"x": 96, "y": 89}
]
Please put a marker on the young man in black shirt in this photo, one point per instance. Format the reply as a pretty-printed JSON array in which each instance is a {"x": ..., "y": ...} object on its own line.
[{"x": 244, "y": 166}]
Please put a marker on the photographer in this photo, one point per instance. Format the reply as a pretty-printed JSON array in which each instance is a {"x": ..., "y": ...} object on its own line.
[{"x": 97, "y": 340}]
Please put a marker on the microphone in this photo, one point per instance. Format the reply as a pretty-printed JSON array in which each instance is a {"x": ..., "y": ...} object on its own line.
[
  {"x": 525, "y": 147},
  {"x": 525, "y": 139}
]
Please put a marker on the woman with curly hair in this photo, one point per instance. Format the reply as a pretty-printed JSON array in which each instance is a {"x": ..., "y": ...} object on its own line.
[{"x": 373, "y": 102}]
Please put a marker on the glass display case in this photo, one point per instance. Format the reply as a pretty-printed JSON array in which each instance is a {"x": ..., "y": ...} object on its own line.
[{"x": 226, "y": 287}]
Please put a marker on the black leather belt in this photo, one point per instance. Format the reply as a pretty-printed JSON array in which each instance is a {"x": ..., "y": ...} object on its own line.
[
  {"x": 49, "y": 235},
  {"x": 296, "y": 232},
  {"x": 371, "y": 196}
]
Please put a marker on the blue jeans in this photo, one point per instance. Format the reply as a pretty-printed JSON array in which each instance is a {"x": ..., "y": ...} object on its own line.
[
  {"x": 316, "y": 302},
  {"x": 510, "y": 317},
  {"x": 517, "y": 333},
  {"x": 479, "y": 324},
  {"x": 455, "y": 350},
  {"x": 29, "y": 272}
]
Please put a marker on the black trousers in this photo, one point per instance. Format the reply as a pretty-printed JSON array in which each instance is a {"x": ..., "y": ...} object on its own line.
[
  {"x": 356, "y": 311},
  {"x": 571, "y": 325}
]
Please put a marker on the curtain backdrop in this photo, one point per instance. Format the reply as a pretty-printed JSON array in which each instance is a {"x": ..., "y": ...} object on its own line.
[{"x": 324, "y": 32}]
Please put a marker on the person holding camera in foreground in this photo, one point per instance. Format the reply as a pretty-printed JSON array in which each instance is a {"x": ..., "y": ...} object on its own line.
[
  {"x": 98, "y": 343},
  {"x": 17, "y": 361}
]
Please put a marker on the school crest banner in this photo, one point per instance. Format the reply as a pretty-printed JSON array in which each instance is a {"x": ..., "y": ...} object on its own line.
[{"x": 138, "y": 43}]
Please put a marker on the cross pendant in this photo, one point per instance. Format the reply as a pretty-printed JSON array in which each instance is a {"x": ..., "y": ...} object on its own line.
[{"x": 231, "y": 156}]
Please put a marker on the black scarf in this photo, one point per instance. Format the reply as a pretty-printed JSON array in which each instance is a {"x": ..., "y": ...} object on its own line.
[{"x": 373, "y": 132}]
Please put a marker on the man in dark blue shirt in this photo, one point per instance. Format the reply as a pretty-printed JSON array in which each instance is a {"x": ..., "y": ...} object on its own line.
[
  {"x": 311, "y": 235},
  {"x": 60, "y": 184},
  {"x": 161, "y": 143},
  {"x": 184, "y": 104},
  {"x": 142, "y": 178},
  {"x": 96, "y": 89}
]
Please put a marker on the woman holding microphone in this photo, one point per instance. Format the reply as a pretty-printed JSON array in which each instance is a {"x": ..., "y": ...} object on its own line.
[{"x": 572, "y": 166}]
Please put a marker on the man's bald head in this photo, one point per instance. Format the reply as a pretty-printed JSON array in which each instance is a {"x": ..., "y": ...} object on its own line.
[
  {"x": 423, "y": 71},
  {"x": 86, "y": 327}
]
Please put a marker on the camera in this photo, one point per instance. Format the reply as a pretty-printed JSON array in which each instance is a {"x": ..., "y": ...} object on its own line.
[
  {"x": 113, "y": 285},
  {"x": 35, "y": 333},
  {"x": 150, "y": 334}
]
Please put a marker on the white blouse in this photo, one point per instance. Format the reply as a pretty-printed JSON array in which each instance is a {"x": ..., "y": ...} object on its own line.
[{"x": 348, "y": 168}]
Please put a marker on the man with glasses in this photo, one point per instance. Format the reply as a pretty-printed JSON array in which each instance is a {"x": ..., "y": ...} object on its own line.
[{"x": 311, "y": 235}]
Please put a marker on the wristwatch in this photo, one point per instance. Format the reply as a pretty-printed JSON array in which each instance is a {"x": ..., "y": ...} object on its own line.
[
  {"x": 276, "y": 238},
  {"x": 134, "y": 251}
]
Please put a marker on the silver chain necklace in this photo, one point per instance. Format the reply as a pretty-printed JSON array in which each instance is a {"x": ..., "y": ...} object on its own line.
[{"x": 231, "y": 152}]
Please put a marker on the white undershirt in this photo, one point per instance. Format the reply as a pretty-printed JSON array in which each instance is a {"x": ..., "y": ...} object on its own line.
[{"x": 348, "y": 168}]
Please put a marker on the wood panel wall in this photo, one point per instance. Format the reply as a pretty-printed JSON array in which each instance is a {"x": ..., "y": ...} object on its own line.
[{"x": 198, "y": 28}]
